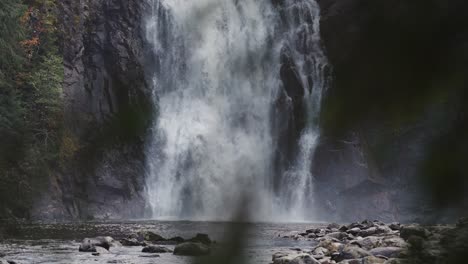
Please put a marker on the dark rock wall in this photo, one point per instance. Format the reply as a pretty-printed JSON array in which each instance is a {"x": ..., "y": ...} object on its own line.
[
  {"x": 393, "y": 63},
  {"x": 107, "y": 111}
]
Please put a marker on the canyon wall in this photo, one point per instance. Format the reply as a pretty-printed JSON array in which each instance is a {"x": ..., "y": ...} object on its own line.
[{"x": 107, "y": 111}]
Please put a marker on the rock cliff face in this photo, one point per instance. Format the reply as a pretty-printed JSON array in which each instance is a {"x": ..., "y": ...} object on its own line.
[
  {"x": 107, "y": 111},
  {"x": 386, "y": 58}
]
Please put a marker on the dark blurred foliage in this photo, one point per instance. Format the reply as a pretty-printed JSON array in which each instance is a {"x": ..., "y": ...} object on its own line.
[
  {"x": 31, "y": 75},
  {"x": 400, "y": 61}
]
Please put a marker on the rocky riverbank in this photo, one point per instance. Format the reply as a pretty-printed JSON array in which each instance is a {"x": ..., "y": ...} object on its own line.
[
  {"x": 376, "y": 242},
  {"x": 178, "y": 243}
]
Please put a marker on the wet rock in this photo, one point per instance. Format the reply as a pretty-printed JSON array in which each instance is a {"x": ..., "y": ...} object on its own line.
[
  {"x": 337, "y": 235},
  {"x": 333, "y": 225},
  {"x": 354, "y": 230},
  {"x": 314, "y": 230},
  {"x": 389, "y": 252},
  {"x": 296, "y": 259},
  {"x": 413, "y": 230},
  {"x": 320, "y": 251},
  {"x": 395, "y": 261},
  {"x": 150, "y": 236},
  {"x": 201, "y": 238},
  {"x": 96, "y": 254},
  {"x": 132, "y": 242},
  {"x": 394, "y": 242},
  {"x": 278, "y": 255},
  {"x": 368, "y": 243},
  {"x": 150, "y": 256},
  {"x": 90, "y": 244},
  {"x": 395, "y": 226},
  {"x": 462, "y": 222},
  {"x": 191, "y": 249},
  {"x": 372, "y": 260},
  {"x": 343, "y": 229},
  {"x": 351, "y": 252},
  {"x": 367, "y": 224},
  {"x": 155, "y": 249},
  {"x": 350, "y": 261},
  {"x": 326, "y": 260},
  {"x": 358, "y": 225},
  {"x": 368, "y": 232},
  {"x": 87, "y": 246},
  {"x": 176, "y": 239},
  {"x": 330, "y": 244},
  {"x": 383, "y": 229}
]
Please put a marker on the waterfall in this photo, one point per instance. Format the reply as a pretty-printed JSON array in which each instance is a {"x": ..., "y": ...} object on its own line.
[
  {"x": 215, "y": 81},
  {"x": 302, "y": 21}
]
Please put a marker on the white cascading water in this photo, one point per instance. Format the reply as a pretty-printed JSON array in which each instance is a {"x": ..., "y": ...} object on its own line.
[
  {"x": 302, "y": 19},
  {"x": 215, "y": 82}
]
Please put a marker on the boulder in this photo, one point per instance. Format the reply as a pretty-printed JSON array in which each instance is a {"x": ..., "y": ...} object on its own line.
[
  {"x": 90, "y": 244},
  {"x": 394, "y": 241},
  {"x": 337, "y": 235},
  {"x": 395, "y": 226},
  {"x": 350, "y": 252},
  {"x": 150, "y": 236},
  {"x": 330, "y": 244},
  {"x": 389, "y": 252},
  {"x": 201, "y": 238},
  {"x": 383, "y": 229},
  {"x": 333, "y": 226},
  {"x": 372, "y": 260},
  {"x": 320, "y": 251},
  {"x": 395, "y": 261},
  {"x": 132, "y": 242},
  {"x": 191, "y": 249},
  {"x": 368, "y": 243},
  {"x": 413, "y": 230},
  {"x": 87, "y": 246},
  {"x": 279, "y": 255},
  {"x": 296, "y": 259},
  {"x": 354, "y": 230},
  {"x": 368, "y": 232},
  {"x": 155, "y": 249},
  {"x": 176, "y": 240}
]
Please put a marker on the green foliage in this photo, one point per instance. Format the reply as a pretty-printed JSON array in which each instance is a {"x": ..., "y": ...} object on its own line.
[
  {"x": 31, "y": 108},
  {"x": 11, "y": 32}
]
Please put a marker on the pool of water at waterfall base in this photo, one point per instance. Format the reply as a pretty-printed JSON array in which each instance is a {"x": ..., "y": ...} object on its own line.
[{"x": 58, "y": 243}]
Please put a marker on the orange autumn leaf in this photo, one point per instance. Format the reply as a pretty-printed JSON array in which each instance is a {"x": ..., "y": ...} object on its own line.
[{"x": 29, "y": 43}]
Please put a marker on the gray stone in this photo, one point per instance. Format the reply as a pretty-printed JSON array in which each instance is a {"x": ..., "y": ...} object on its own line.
[
  {"x": 351, "y": 252},
  {"x": 389, "y": 252},
  {"x": 372, "y": 260},
  {"x": 155, "y": 249},
  {"x": 368, "y": 232},
  {"x": 201, "y": 238},
  {"x": 395, "y": 226},
  {"x": 354, "y": 230},
  {"x": 337, "y": 235},
  {"x": 369, "y": 242},
  {"x": 394, "y": 242},
  {"x": 296, "y": 259},
  {"x": 150, "y": 236},
  {"x": 407, "y": 231},
  {"x": 132, "y": 242},
  {"x": 191, "y": 249},
  {"x": 320, "y": 251}
]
